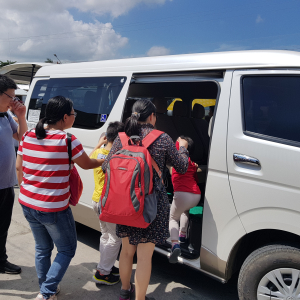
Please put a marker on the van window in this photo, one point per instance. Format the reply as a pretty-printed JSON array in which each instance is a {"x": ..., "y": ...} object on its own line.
[
  {"x": 272, "y": 106},
  {"x": 93, "y": 98}
]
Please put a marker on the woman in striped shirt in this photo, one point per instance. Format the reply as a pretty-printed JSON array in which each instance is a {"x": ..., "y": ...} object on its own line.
[{"x": 45, "y": 191}]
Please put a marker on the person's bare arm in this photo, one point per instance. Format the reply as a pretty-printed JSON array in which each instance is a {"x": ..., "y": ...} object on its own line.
[
  {"x": 20, "y": 111},
  {"x": 86, "y": 163},
  {"x": 101, "y": 142},
  {"x": 19, "y": 163}
]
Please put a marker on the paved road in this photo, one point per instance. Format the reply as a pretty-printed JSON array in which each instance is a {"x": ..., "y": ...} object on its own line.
[{"x": 176, "y": 282}]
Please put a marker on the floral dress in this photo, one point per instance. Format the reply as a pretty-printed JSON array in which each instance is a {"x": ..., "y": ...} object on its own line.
[{"x": 163, "y": 150}]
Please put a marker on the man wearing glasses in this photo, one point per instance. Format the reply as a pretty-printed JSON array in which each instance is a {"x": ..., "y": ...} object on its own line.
[{"x": 9, "y": 130}]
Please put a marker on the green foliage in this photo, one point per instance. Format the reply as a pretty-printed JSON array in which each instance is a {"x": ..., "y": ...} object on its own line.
[
  {"x": 49, "y": 60},
  {"x": 6, "y": 63}
]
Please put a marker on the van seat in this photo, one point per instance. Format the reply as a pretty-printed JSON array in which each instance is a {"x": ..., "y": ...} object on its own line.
[
  {"x": 184, "y": 126},
  {"x": 180, "y": 109},
  {"x": 163, "y": 121},
  {"x": 201, "y": 127}
]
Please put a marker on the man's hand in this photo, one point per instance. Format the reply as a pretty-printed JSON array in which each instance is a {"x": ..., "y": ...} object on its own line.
[{"x": 18, "y": 108}]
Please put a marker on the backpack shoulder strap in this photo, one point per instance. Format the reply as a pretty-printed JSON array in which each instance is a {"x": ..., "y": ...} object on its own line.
[
  {"x": 124, "y": 138},
  {"x": 151, "y": 137},
  {"x": 69, "y": 142},
  {"x": 147, "y": 141},
  {"x": 156, "y": 168}
]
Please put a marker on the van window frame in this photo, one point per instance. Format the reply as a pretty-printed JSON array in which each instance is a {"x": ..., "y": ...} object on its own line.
[
  {"x": 259, "y": 135},
  {"x": 78, "y": 77}
]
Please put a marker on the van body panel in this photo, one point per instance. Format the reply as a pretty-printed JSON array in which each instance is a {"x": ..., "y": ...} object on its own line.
[
  {"x": 266, "y": 196},
  {"x": 212, "y": 264},
  {"x": 222, "y": 227},
  {"x": 186, "y": 62},
  {"x": 85, "y": 215}
]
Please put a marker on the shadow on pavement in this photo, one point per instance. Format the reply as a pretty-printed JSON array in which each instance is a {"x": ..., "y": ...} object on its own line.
[{"x": 167, "y": 277}]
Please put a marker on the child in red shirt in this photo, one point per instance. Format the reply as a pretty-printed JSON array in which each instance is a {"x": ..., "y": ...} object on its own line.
[{"x": 186, "y": 195}]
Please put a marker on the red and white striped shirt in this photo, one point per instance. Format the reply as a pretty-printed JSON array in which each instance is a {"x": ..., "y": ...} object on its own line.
[{"x": 45, "y": 185}]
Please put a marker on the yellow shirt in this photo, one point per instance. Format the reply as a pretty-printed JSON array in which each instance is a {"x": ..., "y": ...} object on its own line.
[{"x": 98, "y": 174}]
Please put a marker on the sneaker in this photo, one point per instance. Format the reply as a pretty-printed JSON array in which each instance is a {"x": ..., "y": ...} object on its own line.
[
  {"x": 115, "y": 271},
  {"x": 109, "y": 279},
  {"x": 176, "y": 251},
  {"x": 125, "y": 294},
  {"x": 9, "y": 268},
  {"x": 40, "y": 296}
]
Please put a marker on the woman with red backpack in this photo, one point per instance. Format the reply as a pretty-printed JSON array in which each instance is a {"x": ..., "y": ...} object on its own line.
[{"x": 143, "y": 240}]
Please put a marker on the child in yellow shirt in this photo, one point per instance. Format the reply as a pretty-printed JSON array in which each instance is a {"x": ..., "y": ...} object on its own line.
[{"x": 110, "y": 244}]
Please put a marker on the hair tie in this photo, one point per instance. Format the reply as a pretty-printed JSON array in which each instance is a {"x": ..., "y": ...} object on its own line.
[{"x": 136, "y": 114}]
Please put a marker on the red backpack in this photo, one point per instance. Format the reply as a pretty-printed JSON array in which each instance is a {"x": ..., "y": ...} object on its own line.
[{"x": 128, "y": 197}]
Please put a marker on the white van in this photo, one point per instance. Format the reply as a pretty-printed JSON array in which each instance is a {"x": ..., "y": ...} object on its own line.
[{"x": 249, "y": 166}]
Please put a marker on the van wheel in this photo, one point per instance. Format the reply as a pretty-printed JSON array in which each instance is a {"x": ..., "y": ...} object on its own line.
[{"x": 271, "y": 272}]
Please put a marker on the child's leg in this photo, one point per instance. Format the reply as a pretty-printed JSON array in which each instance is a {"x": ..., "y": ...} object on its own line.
[
  {"x": 109, "y": 247},
  {"x": 184, "y": 222},
  {"x": 177, "y": 208},
  {"x": 191, "y": 201}
]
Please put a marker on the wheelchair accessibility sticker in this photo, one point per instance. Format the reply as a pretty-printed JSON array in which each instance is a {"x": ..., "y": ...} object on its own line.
[{"x": 103, "y": 118}]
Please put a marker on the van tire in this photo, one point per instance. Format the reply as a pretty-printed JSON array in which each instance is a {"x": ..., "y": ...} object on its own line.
[{"x": 262, "y": 261}]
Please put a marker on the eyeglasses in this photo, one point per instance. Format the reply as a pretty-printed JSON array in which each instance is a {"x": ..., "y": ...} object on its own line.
[
  {"x": 13, "y": 98},
  {"x": 75, "y": 114}
]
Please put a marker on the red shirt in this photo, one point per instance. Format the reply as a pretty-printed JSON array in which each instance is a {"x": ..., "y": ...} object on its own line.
[
  {"x": 186, "y": 182},
  {"x": 45, "y": 185}
]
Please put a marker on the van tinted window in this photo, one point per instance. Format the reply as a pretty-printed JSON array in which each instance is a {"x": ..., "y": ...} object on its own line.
[
  {"x": 272, "y": 106},
  {"x": 93, "y": 98}
]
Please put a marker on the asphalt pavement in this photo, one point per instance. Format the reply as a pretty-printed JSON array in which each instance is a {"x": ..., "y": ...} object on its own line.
[{"x": 176, "y": 282}]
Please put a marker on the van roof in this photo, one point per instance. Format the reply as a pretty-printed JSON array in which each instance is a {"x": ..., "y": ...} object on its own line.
[{"x": 183, "y": 62}]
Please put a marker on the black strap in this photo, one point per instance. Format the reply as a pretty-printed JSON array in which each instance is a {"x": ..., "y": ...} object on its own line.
[
  {"x": 5, "y": 114},
  {"x": 69, "y": 141}
]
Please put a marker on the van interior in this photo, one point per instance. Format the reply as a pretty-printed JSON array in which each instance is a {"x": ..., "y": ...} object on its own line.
[{"x": 183, "y": 108}]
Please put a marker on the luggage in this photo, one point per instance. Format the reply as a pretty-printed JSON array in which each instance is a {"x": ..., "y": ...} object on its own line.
[{"x": 128, "y": 197}]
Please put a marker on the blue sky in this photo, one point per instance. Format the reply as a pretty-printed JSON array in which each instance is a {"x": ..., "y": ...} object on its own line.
[
  {"x": 152, "y": 27},
  {"x": 188, "y": 26}
]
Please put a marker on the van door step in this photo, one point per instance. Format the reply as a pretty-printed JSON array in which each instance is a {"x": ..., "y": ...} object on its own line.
[{"x": 187, "y": 250}]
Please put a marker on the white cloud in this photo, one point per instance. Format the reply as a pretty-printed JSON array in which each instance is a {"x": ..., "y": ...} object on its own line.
[
  {"x": 34, "y": 30},
  {"x": 259, "y": 19},
  {"x": 158, "y": 51},
  {"x": 113, "y": 7}
]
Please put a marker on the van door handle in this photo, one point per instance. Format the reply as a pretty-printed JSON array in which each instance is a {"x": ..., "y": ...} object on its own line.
[{"x": 245, "y": 159}]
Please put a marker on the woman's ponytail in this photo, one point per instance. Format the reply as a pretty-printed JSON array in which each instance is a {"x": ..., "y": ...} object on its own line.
[
  {"x": 40, "y": 130},
  {"x": 131, "y": 125}
]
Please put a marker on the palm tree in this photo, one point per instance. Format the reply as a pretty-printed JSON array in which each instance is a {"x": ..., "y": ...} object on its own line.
[{"x": 5, "y": 63}]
